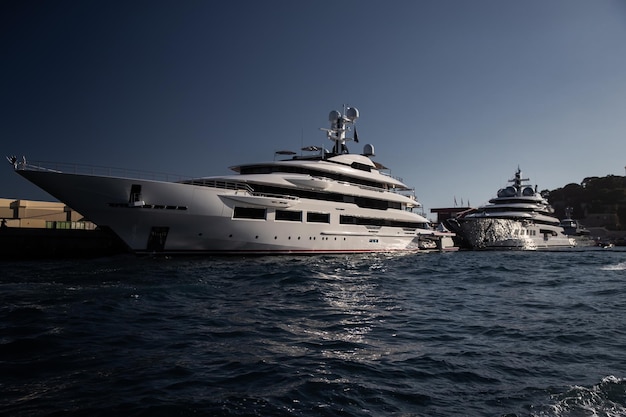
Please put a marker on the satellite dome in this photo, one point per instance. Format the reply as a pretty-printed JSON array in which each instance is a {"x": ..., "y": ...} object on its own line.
[
  {"x": 509, "y": 191},
  {"x": 352, "y": 113}
]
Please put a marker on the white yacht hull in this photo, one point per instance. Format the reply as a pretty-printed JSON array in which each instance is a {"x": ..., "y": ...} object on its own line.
[
  {"x": 488, "y": 233},
  {"x": 177, "y": 218},
  {"x": 327, "y": 202}
]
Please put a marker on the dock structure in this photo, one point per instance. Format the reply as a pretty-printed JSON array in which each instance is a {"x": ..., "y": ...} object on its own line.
[
  {"x": 41, "y": 214},
  {"x": 446, "y": 213},
  {"x": 47, "y": 229}
]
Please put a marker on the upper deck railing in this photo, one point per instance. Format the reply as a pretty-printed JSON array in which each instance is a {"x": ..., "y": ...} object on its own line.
[
  {"x": 96, "y": 170},
  {"x": 102, "y": 171}
]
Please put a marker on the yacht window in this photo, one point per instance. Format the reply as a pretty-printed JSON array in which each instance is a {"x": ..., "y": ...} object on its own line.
[
  {"x": 249, "y": 213},
  {"x": 375, "y": 204},
  {"x": 135, "y": 193},
  {"x": 362, "y": 167},
  {"x": 372, "y": 221},
  {"x": 318, "y": 217},
  {"x": 268, "y": 169},
  {"x": 289, "y": 215},
  {"x": 315, "y": 195}
]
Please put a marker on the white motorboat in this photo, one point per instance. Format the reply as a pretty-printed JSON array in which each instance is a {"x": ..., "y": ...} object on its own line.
[
  {"x": 325, "y": 202},
  {"x": 574, "y": 229},
  {"x": 519, "y": 218}
]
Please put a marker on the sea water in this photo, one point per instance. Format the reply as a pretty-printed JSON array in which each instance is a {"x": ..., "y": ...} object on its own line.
[{"x": 439, "y": 334}]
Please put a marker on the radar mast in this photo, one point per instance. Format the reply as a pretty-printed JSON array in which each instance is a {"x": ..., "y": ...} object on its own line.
[{"x": 340, "y": 124}]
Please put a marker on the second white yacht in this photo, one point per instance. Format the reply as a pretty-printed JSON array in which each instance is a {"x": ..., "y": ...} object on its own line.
[{"x": 519, "y": 218}]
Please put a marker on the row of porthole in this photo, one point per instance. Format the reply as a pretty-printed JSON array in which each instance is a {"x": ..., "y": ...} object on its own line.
[{"x": 289, "y": 238}]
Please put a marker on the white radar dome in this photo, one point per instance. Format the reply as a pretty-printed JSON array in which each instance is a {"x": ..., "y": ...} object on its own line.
[
  {"x": 368, "y": 150},
  {"x": 352, "y": 113}
]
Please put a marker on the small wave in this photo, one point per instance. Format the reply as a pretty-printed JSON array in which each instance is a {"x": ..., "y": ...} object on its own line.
[
  {"x": 617, "y": 267},
  {"x": 606, "y": 399}
]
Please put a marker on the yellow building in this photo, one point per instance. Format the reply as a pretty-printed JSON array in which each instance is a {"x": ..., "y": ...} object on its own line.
[{"x": 40, "y": 214}]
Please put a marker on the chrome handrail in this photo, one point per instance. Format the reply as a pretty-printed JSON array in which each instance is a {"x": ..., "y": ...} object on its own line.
[{"x": 84, "y": 169}]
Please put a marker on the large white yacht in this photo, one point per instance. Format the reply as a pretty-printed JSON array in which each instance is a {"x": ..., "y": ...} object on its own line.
[
  {"x": 324, "y": 202},
  {"x": 518, "y": 218}
]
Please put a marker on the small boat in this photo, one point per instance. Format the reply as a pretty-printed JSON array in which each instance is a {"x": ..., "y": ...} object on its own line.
[
  {"x": 519, "y": 218},
  {"x": 575, "y": 230}
]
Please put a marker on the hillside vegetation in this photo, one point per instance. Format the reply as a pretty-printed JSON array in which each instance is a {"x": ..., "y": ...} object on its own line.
[{"x": 596, "y": 201}]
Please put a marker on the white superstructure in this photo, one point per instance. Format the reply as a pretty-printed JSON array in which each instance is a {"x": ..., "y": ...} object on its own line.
[
  {"x": 328, "y": 202},
  {"x": 518, "y": 218}
]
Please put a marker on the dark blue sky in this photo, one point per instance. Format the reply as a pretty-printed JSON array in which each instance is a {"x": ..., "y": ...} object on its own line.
[{"x": 453, "y": 94}]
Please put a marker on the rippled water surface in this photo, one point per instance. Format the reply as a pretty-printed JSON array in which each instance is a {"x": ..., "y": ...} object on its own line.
[{"x": 468, "y": 333}]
